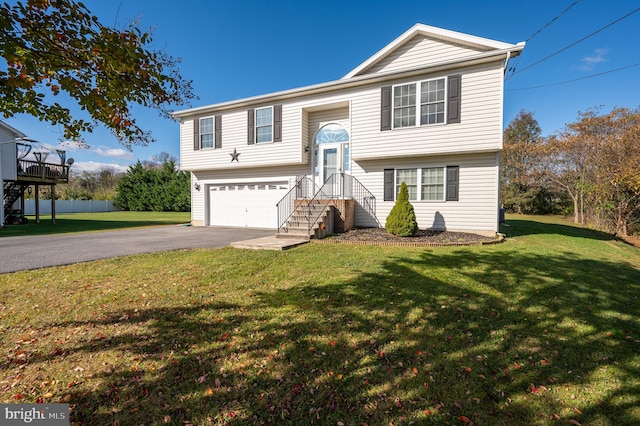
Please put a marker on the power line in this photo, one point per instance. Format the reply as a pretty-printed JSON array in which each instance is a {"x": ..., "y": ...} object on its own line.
[
  {"x": 579, "y": 41},
  {"x": 575, "y": 79},
  {"x": 551, "y": 21},
  {"x": 512, "y": 69}
]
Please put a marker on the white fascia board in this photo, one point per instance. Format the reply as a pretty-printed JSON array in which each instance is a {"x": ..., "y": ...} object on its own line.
[
  {"x": 17, "y": 133},
  {"x": 435, "y": 32},
  {"x": 353, "y": 82}
]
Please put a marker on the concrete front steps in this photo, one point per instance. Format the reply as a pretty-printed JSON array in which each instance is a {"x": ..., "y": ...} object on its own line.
[
  {"x": 297, "y": 225},
  {"x": 337, "y": 216}
]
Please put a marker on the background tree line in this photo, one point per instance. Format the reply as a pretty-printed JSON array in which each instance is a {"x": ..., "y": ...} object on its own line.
[{"x": 590, "y": 170}]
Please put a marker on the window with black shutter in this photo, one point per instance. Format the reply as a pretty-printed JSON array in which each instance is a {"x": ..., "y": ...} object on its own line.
[{"x": 453, "y": 178}]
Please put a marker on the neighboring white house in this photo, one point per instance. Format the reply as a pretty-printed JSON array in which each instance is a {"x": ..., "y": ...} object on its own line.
[
  {"x": 8, "y": 155},
  {"x": 427, "y": 109}
]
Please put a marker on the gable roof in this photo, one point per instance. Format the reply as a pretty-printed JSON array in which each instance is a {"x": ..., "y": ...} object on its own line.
[
  {"x": 479, "y": 43},
  {"x": 488, "y": 49},
  {"x": 16, "y": 133}
]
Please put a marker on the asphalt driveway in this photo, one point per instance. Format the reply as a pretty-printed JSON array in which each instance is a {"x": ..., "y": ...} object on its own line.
[{"x": 33, "y": 252}]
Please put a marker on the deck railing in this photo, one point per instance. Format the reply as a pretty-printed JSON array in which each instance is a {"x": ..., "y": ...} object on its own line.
[{"x": 44, "y": 171}]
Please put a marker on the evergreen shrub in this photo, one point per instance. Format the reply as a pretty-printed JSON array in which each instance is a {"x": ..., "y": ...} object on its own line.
[{"x": 402, "y": 219}]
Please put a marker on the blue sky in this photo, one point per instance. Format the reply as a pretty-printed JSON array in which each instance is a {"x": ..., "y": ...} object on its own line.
[{"x": 235, "y": 49}]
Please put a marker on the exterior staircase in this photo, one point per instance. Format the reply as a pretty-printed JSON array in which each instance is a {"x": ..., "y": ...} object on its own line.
[
  {"x": 305, "y": 213},
  {"x": 297, "y": 226},
  {"x": 12, "y": 192}
]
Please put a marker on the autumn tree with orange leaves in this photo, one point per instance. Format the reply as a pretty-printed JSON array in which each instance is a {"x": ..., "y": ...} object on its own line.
[
  {"x": 565, "y": 167},
  {"x": 56, "y": 49},
  {"x": 596, "y": 161}
]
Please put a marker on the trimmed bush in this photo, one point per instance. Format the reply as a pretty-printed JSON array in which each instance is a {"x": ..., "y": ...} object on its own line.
[
  {"x": 154, "y": 189},
  {"x": 402, "y": 219}
]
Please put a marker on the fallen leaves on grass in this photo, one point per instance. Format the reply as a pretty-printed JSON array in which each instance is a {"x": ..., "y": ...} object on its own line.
[{"x": 349, "y": 354}]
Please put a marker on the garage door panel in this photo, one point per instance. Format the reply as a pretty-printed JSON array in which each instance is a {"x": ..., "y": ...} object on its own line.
[{"x": 250, "y": 205}]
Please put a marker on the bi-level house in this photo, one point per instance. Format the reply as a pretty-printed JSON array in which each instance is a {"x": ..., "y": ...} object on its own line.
[{"x": 427, "y": 110}]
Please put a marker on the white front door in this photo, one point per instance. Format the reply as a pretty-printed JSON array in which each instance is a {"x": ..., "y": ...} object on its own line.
[
  {"x": 330, "y": 158},
  {"x": 329, "y": 162}
]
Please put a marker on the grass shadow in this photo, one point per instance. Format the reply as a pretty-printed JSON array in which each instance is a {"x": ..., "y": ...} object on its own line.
[
  {"x": 515, "y": 227},
  {"x": 482, "y": 335}
]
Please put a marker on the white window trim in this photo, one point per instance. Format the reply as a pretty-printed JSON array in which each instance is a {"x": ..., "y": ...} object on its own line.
[
  {"x": 415, "y": 105},
  {"x": 398, "y": 185},
  {"x": 444, "y": 183},
  {"x": 419, "y": 183},
  {"x": 346, "y": 165},
  {"x": 444, "y": 101},
  {"x": 418, "y": 105},
  {"x": 255, "y": 121},
  {"x": 213, "y": 132}
]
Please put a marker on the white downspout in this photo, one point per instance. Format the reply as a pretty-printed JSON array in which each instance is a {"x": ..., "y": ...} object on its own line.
[
  {"x": 506, "y": 62},
  {"x": 521, "y": 45}
]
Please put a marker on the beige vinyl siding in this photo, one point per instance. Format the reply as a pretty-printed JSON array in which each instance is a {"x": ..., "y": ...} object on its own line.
[
  {"x": 475, "y": 211},
  {"x": 480, "y": 128},
  {"x": 295, "y": 132},
  {"x": 197, "y": 201},
  {"x": 306, "y": 139},
  {"x": 6, "y": 135},
  {"x": 318, "y": 119},
  {"x": 234, "y": 136},
  {"x": 420, "y": 50},
  {"x": 8, "y": 157},
  {"x": 211, "y": 177}
]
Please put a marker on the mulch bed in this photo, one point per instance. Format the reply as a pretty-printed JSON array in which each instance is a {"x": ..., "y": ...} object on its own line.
[{"x": 424, "y": 238}]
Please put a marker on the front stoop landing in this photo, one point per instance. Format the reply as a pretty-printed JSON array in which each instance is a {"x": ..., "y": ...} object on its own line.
[{"x": 269, "y": 243}]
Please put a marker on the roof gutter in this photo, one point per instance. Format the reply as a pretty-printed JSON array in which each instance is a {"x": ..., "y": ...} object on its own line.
[
  {"x": 15, "y": 132},
  {"x": 353, "y": 82},
  {"x": 18, "y": 140},
  {"x": 506, "y": 61}
]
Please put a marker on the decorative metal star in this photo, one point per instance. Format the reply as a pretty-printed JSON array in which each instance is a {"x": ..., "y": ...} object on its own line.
[{"x": 234, "y": 156}]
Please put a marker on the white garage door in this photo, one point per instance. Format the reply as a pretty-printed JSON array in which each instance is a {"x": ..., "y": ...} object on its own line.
[{"x": 252, "y": 205}]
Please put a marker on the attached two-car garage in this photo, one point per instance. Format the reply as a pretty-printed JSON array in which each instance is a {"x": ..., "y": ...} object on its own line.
[{"x": 251, "y": 205}]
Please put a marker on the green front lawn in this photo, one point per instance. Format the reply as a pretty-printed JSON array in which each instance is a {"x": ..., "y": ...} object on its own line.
[
  {"x": 85, "y": 222},
  {"x": 543, "y": 329}
]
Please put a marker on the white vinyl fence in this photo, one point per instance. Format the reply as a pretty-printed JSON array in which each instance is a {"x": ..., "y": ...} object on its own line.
[{"x": 69, "y": 206}]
